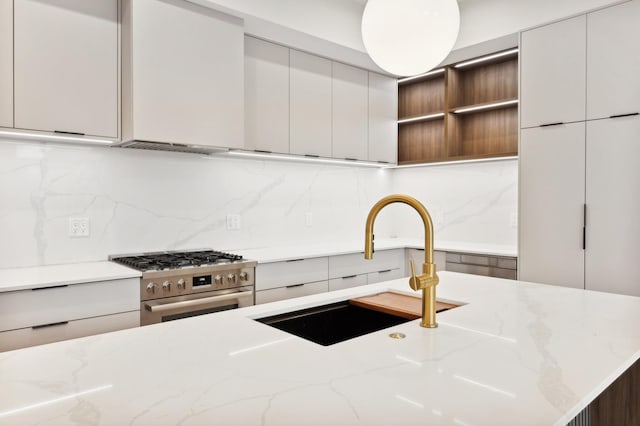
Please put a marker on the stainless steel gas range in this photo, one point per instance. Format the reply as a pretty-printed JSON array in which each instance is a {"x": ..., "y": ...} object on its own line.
[{"x": 180, "y": 284}]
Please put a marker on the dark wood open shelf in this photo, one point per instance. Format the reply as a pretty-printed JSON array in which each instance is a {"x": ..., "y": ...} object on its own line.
[{"x": 478, "y": 134}]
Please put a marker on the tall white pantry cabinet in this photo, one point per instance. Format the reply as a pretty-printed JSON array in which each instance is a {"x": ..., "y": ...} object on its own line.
[{"x": 580, "y": 152}]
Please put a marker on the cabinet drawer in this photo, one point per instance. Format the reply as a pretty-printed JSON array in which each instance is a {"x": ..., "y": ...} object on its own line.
[
  {"x": 417, "y": 255},
  {"x": 354, "y": 264},
  {"x": 347, "y": 282},
  {"x": 299, "y": 290},
  {"x": 25, "y": 337},
  {"x": 376, "y": 277},
  {"x": 292, "y": 272},
  {"x": 28, "y": 308}
]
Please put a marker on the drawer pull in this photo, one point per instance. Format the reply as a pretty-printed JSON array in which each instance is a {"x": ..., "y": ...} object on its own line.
[
  {"x": 631, "y": 114},
  {"x": 552, "y": 124},
  {"x": 294, "y": 285},
  {"x": 49, "y": 288},
  {"x": 312, "y": 155},
  {"x": 349, "y": 277},
  {"x": 53, "y": 324},
  {"x": 295, "y": 260},
  {"x": 386, "y": 270},
  {"x": 68, "y": 133}
]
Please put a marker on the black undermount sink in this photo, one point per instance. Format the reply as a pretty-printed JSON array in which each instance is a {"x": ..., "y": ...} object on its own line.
[{"x": 334, "y": 323}]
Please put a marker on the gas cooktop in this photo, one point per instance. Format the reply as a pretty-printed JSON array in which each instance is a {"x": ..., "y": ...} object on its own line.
[{"x": 158, "y": 261}]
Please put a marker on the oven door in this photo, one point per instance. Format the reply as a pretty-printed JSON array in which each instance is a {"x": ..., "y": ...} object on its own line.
[{"x": 172, "y": 308}]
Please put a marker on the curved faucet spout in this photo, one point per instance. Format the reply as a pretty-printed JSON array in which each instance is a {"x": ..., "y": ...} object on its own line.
[{"x": 428, "y": 280}]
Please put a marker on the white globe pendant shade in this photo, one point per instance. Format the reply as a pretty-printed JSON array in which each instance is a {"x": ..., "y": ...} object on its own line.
[{"x": 409, "y": 37}]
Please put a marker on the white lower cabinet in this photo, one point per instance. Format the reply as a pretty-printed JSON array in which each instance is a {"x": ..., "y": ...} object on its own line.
[
  {"x": 417, "y": 255},
  {"x": 45, "y": 315},
  {"x": 347, "y": 282},
  {"x": 291, "y": 291},
  {"x": 354, "y": 264},
  {"x": 302, "y": 277},
  {"x": 380, "y": 276},
  {"x": 25, "y": 337},
  {"x": 291, "y": 272}
]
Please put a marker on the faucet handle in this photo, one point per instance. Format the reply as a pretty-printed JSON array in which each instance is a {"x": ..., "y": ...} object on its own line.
[
  {"x": 413, "y": 281},
  {"x": 424, "y": 280}
]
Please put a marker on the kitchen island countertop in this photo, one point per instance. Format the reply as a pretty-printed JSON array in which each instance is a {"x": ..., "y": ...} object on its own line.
[{"x": 514, "y": 353}]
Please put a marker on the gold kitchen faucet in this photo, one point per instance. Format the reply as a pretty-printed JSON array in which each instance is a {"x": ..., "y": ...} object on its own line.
[{"x": 426, "y": 281}]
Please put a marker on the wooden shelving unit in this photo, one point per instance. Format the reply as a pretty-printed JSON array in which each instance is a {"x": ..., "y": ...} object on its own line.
[{"x": 471, "y": 113}]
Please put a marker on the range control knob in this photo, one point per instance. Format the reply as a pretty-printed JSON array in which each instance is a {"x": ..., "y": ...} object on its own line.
[
  {"x": 166, "y": 286},
  {"x": 232, "y": 278},
  {"x": 244, "y": 276},
  {"x": 218, "y": 279},
  {"x": 151, "y": 288},
  {"x": 181, "y": 284}
]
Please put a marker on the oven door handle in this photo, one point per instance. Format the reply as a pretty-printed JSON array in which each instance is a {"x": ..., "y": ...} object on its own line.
[{"x": 163, "y": 307}]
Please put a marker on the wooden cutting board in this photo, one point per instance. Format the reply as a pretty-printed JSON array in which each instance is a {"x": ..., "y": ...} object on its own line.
[{"x": 397, "y": 304}]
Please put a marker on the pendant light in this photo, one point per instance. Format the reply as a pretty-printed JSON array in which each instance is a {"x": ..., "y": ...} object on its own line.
[{"x": 409, "y": 37}]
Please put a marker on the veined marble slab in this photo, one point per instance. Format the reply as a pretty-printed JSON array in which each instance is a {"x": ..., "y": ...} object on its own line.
[{"x": 515, "y": 353}]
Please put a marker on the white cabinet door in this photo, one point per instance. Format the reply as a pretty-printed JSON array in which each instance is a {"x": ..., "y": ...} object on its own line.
[
  {"x": 552, "y": 167},
  {"x": 377, "y": 277},
  {"x": 310, "y": 106},
  {"x": 66, "y": 66},
  {"x": 383, "y": 118},
  {"x": 347, "y": 282},
  {"x": 552, "y": 65},
  {"x": 187, "y": 74},
  {"x": 613, "y": 206},
  {"x": 417, "y": 255},
  {"x": 291, "y": 291},
  {"x": 6, "y": 63},
  {"x": 291, "y": 272},
  {"x": 613, "y": 62},
  {"x": 43, "y": 306},
  {"x": 266, "y": 84},
  {"x": 25, "y": 337},
  {"x": 350, "y": 112}
]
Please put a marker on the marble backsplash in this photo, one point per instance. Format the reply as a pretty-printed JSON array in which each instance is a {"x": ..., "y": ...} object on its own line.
[
  {"x": 468, "y": 202},
  {"x": 148, "y": 201}
]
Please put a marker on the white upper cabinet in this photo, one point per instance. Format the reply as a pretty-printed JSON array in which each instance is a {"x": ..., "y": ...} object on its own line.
[
  {"x": 553, "y": 77},
  {"x": 552, "y": 188},
  {"x": 383, "y": 118},
  {"x": 6, "y": 63},
  {"x": 613, "y": 62},
  {"x": 350, "y": 112},
  {"x": 183, "y": 74},
  {"x": 310, "y": 105},
  {"x": 613, "y": 206},
  {"x": 266, "y": 83},
  {"x": 66, "y": 65}
]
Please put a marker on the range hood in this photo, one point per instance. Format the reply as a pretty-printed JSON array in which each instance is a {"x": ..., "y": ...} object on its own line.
[{"x": 174, "y": 147}]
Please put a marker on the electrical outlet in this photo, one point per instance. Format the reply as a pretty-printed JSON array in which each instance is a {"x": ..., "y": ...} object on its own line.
[
  {"x": 308, "y": 219},
  {"x": 514, "y": 219},
  {"x": 234, "y": 222},
  {"x": 78, "y": 227}
]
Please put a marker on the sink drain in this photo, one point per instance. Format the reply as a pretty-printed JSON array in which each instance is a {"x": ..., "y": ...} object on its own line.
[{"x": 397, "y": 335}]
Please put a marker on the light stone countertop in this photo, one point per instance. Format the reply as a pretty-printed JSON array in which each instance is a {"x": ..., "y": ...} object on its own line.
[
  {"x": 292, "y": 251},
  {"x": 515, "y": 353},
  {"x": 12, "y": 279}
]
